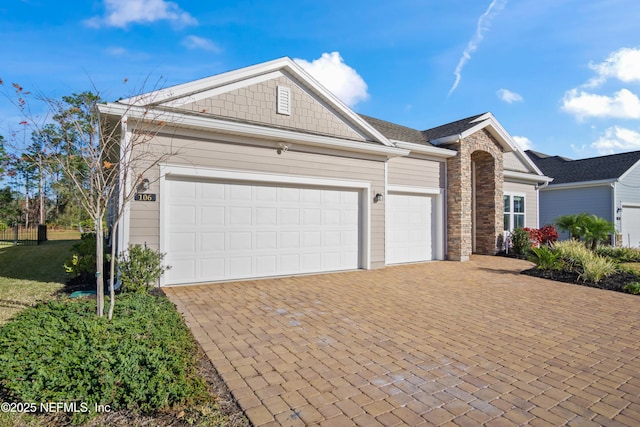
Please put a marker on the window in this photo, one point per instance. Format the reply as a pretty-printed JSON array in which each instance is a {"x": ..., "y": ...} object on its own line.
[{"x": 514, "y": 214}]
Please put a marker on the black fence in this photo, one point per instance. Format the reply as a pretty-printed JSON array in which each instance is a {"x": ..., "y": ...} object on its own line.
[{"x": 19, "y": 235}]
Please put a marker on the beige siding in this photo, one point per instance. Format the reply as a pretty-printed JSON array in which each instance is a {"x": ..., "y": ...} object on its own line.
[
  {"x": 531, "y": 200},
  {"x": 257, "y": 104},
  {"x": 145, "y": 216},
  {"x": 513, "y": 163},
  {"x": 416, "y": 172}
]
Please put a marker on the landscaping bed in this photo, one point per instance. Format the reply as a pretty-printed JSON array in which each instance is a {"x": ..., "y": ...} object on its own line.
[
  {"x": 144, "y": 366},
  {"x": 615, "y": 282}
]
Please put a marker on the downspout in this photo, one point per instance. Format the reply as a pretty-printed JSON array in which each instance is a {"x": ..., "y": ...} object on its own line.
[
  {"x": 614, "y": 213},
  {"x": 538, "y": 188}
]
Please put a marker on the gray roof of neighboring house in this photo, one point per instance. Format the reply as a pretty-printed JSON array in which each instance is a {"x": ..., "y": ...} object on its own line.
[
  {"x": 564, "y": 170},
  {"x": 407, "y": 134}
]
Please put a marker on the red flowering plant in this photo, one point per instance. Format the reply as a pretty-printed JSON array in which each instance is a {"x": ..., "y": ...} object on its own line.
[
  {"x": 549, "y": 235},
  {"x": 542, "y": 236}
]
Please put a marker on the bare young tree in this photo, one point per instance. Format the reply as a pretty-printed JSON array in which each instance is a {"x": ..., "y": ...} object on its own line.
[{"x": 106, "y": 155}]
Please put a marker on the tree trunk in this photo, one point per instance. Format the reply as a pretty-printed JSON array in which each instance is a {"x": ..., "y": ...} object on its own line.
[
  {"x": 99, "y": 267},
  {"x": 112, "y": 276},
  {"x": 41, "y": 190}
]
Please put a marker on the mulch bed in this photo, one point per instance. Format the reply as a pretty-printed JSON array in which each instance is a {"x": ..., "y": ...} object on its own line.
[{"x": 615, "y": 282}]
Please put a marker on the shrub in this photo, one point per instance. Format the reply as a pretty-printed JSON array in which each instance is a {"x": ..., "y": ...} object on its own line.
[
  {"x": 573, "y": 252},
  {"x": 633, "y": 288},
  {"x": 83, "y": 258},
  {"x": 520, "y": 242},
  {"x": 140, "y": 268},
  {"x": 549, "y": 235},
  {"x": 590, "y": 266},
  {"x": 596, "y": 268},
  {"x": 591, "y": 228},
  {"x": 619, "y": 254},
  {"x": 142, "y": 360},
  {"x": 545, "y": 258}
]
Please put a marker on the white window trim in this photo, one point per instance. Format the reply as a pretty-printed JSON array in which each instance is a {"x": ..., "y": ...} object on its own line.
[{"x": 511, "y": 213}]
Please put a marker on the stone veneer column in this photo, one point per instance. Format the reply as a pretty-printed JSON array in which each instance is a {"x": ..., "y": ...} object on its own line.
[{"x": 460, "y": 196}]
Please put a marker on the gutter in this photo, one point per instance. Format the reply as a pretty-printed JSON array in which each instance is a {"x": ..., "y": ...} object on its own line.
[{"x": 582, "y": 184}]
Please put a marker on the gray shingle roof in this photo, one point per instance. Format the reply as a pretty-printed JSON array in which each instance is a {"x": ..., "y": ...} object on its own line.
[
  {"x": 407, "y": 134},
  {"x": 395, "y": 131},
  {"x": 564, "y": 170},
  {"x": 450, "y": 129}
]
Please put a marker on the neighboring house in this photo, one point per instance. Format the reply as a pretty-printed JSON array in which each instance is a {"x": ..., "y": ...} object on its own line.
[
  {"x": 276, "y": 176},
  {"x": 606, "y": 186}
]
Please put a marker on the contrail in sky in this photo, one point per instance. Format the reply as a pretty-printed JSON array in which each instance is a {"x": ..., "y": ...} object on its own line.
[{"x": 484, "y": 23}]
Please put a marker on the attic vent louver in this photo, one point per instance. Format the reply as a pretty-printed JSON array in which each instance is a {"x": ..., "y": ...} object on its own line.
[{"x": 284, "y": 100}]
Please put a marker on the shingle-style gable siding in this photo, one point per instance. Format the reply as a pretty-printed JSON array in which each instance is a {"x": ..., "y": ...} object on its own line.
[
  {"x": 513, "y": 163},
  {"x": 257, "y": 103}
]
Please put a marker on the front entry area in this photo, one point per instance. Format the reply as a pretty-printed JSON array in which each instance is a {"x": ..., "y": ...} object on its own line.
[{"x": 226, "y": 230}]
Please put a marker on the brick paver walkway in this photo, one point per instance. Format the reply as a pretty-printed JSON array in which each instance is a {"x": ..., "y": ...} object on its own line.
[{"x": 442, "y": 343}]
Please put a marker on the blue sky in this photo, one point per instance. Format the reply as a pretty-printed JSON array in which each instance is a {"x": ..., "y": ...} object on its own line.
[{"x": 562, "y": 76}]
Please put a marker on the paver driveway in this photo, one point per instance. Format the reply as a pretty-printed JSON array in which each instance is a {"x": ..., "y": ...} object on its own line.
[{"x": 440, "y": 343}]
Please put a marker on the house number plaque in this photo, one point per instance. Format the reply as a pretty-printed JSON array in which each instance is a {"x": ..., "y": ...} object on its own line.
[{"x": 141, "y": 197}]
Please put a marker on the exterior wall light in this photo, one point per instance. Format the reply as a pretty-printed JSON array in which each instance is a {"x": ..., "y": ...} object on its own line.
[
  {"x": 143, "y": 185},
  {"x": 378, "y": 198}
]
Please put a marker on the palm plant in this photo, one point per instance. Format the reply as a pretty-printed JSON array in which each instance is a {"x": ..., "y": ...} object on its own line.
[
  {"x": 597, "y": 230},
  {"x": 574, "y": 224}
]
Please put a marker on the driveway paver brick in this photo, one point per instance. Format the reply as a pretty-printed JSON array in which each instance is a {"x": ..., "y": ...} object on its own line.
[{"x": 440, "y": 343}]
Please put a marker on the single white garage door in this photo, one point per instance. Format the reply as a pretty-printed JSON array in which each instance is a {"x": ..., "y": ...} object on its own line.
[
  {"x": 220, "y": 231},
  {"x": 409, "y": 224},
  {"x": 631, "y": 226}
]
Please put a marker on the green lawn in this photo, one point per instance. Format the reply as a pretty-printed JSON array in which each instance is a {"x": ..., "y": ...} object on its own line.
[{"x": 32, "y": 273}]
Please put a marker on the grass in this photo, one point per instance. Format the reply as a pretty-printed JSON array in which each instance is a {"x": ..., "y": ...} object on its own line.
[{"x": 32, "y": 273}]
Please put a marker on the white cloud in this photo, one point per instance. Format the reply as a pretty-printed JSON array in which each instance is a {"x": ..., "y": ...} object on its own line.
[
  {"x": 116, "y": 51},
  {"x": 199, "y": 43},
  {"x": 616, "y": 139},
  {"x": 623, "y": 65},
  {"x": 121, "y": 13},
  {"x": 484, "y": 23},
  {"x": 509, "y": 97},
  {"x": 339, "y": 78},
  {"x": 523, "y": 142},
  {"x": 622, "y": 105}
]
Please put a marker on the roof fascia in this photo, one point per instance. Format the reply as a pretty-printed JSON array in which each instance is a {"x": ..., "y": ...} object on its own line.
[
  {"x": 582, "y": 184},
  {"x": 425, "y": 149},
  {"x": 628, "y": 171},
  {"x": 488, "y": 119},
  {"x": 223, "y": 126},
  {"x": 255, "y": 73},
  {"x": 523, "y": 176}
]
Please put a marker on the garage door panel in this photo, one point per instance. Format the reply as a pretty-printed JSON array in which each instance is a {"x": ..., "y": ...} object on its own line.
[
  {"x": 409, "y": 224},
  {"x": 630, "y": 226},
  {"x": 236, "y": 231}
]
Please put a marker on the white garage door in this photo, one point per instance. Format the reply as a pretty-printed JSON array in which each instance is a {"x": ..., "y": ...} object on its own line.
[
  {"x": 221, "y": 231},
  {"x": 409, "y": 224},
  {"x": 631, "y": 226}
]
